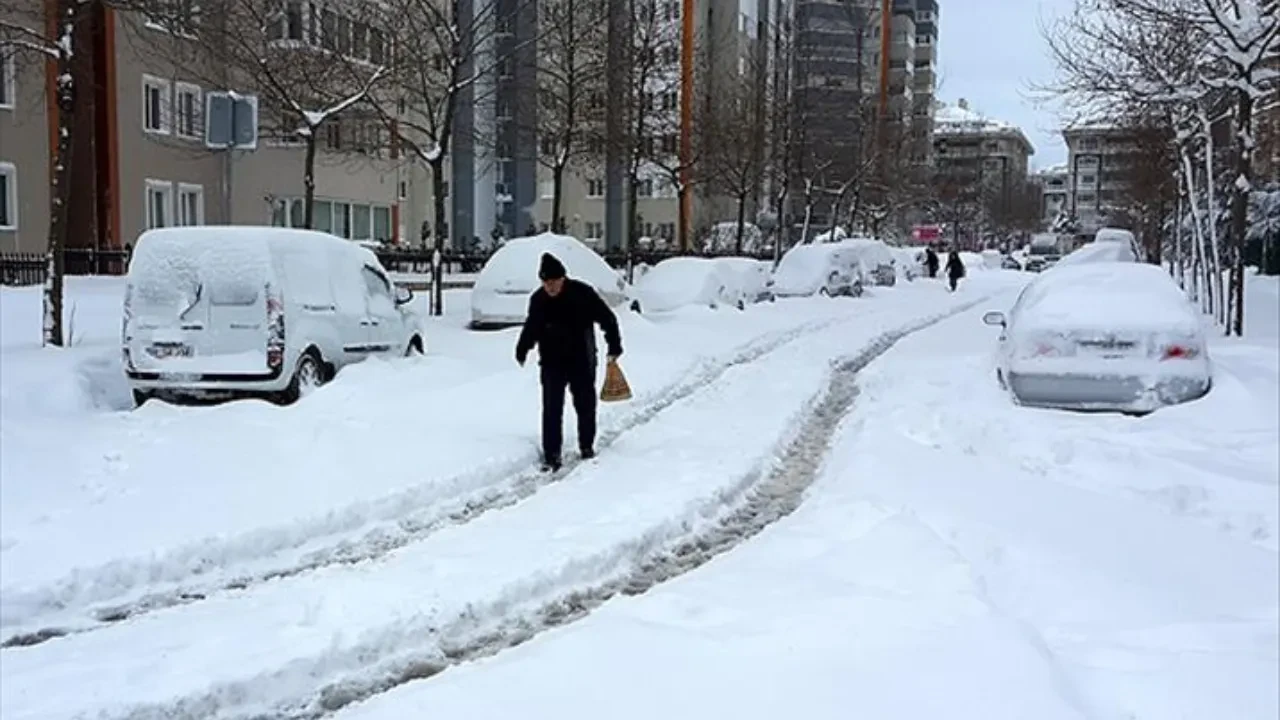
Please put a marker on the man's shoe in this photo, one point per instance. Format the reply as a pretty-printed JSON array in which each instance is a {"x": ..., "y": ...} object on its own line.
[
  {"x": 550, "y": 466},
  {"x": 588, "y": 453}
]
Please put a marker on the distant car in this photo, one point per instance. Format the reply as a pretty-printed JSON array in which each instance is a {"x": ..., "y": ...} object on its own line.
[
  {"x": 501, "y": 293},
  {"x": 753, "y": 276},
  {"x": 875, "y": 259},
  {"x": 1036, "y": 264},
  {"x": 1106, "y": 336},
  {"x": 1124, "y": 238},
  {"x": 1100, "y": 252},
  {"x": 255, "y": 311},
  {"x": 682, "y": 281},
  {"x": 1010, "y": 263},
  {"x": 821, "y": 269}
]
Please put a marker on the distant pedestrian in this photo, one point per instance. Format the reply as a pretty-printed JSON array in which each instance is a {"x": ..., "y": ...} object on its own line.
[
  {"x": 931, "y": 261},
  {"x": 955, "y": 268},
  {"x": 561, "y": 324}
]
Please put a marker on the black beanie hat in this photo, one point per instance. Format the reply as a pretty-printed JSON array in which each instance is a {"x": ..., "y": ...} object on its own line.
[{"x": 551, "y": 268}]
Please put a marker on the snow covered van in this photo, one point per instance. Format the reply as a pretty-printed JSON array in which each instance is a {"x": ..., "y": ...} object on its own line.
[{"x": 259, "y": 311}]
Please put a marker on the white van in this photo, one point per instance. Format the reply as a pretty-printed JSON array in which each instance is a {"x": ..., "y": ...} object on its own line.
[{"x": 259, "y": 311}]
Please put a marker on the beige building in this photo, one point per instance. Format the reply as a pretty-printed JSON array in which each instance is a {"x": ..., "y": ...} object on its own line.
[
  {"x": 980, "y": 157},
  {"x": 1099, "y": 162},
  {"x": 1054, "y": 184},
  {"x": 150, "y": 166}
]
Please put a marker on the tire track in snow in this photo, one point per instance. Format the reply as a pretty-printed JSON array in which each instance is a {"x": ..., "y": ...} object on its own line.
[
  {"x": 766, "y": 494},
  {"x": 495, "y": 490}
]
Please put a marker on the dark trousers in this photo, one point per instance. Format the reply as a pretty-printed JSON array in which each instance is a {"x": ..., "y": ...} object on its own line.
[
  {"x": 955, "y": 280},
  {"x": 581, "y": 383}
]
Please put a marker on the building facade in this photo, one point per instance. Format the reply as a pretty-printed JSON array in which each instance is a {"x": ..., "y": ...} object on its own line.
[
  {"x": 980, "y": 165},
  {"x": 1099, "y": 160},
  {"x": 1054, "y": 184},
  {"x": 143, "y": 163}
]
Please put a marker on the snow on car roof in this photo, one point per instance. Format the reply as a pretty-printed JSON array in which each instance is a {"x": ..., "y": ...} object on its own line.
[
  {"x": 514, "y": 267},
  {"x": 1096, "y": 252},
  {"x": 1107, "y": 295}
]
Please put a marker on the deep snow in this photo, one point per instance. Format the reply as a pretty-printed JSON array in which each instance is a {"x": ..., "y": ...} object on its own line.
[
  {"x": 286, "y": 639},
  {"x": 960, "y": 558}
]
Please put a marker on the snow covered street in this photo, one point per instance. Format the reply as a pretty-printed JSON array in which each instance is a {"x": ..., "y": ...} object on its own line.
[
  {"x": 959, "y": 558},
  {"x": 905, "y": 542}
]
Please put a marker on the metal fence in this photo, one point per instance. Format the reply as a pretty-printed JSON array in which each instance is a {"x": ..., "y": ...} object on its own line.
[{"x": 31, "y": 268}]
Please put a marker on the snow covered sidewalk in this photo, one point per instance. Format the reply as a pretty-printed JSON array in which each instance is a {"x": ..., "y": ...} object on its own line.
[
  {"x": 308, "y": 641},
  {"x": 960, "y": 558}
]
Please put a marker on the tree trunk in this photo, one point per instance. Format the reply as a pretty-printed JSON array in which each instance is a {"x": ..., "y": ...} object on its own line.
[
  {"x": 1199, "y": 274},
  {"x": 438, "y": 199},
  {"x": 682, "y": 241},
  {"x": 808, "y": 217},
  {"x": 1178, "y": 270},
  {"x": 308, "y": 181},
  {"x": 1215, "y": 261},
  {"x": 60, "y": 185},
  {"x": 557, "y": 197},
  {"x": 633, "y": 213},
  {"x": 742, "y": 213},
  {"x": 1240, "y": 204}
]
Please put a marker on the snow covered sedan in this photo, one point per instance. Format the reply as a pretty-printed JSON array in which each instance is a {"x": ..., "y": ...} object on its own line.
[
  {"x": 753, "y": 276},
  {"x": 501, "y": 294},
  {"x": 821, "y": 269},
  {"x": 875, "y": 259},
  {"x": 680, "y": 281},
  {"x": 1106, "y": 336},
  {"x": 1099, "y": 252},
  {"x": 238, "y": 310}
]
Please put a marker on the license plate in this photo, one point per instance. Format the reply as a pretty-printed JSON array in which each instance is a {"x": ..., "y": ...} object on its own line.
[
  {"x": 1109, "y": 349},
  {"x": 163, "y": 352}
]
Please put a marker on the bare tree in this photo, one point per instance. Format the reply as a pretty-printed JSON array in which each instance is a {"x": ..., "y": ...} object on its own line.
[
  {"x": 25, "y": 35},
  {"x": 446, "y": 58},
  {"x": 309, "y": 66},
  {"x": 734, "y": 138},
  {"x": 571, "y": 86}
]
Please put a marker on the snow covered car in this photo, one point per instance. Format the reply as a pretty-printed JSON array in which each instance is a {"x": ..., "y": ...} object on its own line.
[
  {"x": 753, "y": 276},
  {"x": 1010, "y": 263},
  {"x": 1124, "y": 242},
  {"x": 875, "y": 258},
  {"x": 822, "y": 269},
  {"x": 1106, "y": 336},
  {"x": 501, "y": 293},
  {"x": 259, "y": 311},
  {"x": 909, "y": 262},
  {"x": 680, "y": 281}
]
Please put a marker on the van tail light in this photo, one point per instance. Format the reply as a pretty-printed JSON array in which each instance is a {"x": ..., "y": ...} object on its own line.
[
  {"x": 275, "y": 328},
  {"x": 1179, "y": 351}
]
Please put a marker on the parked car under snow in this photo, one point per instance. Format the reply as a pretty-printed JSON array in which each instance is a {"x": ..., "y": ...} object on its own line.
[
  {"x": 682, "y": 281},
  {"x": 753, "y": 276},
  {"x": 821, "y": 269},
  {"x": 501, "y": 293},
  {"x": 875, "y": 259},
  {"x": 1106, "y": 336}
]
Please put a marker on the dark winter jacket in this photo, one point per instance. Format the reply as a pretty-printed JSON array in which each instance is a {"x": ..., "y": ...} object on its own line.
[
  {"x": 562, "y": 327},
  {"x": 955, "y": 266},
  {"x": 931, "y": 259}
]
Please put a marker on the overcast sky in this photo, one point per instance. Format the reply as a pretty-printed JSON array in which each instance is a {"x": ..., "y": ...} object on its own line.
[{"x": 990, "y": 51}]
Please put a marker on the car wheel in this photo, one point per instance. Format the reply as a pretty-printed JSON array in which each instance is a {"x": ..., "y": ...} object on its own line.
[
  {"x": 307, "y": 376},
  {"x": 824, "y": 292},
  {"x": 140, "y": 397},
  {"x": 742, "y": 305},
  {"x": 635, "y": 307},
  {"x": 1000, "y": 379}
]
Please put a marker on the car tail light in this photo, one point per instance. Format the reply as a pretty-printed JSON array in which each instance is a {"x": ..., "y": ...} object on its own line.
[
  {"x": 275, "y": 328},
  {"x": 1179, "y": 351},
  {"x": 1049, "y": 346}
]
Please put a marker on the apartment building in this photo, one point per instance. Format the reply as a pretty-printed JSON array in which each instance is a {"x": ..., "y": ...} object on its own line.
[
  {"x": 1054, "y": 184},
  {"x": 729, "y": 36},
  {"x": 925, "y": 74},
  {"x": 1099, "y": 160},
  {"x": 970, "y": 148},
  {"x": 142, "y": 161}
]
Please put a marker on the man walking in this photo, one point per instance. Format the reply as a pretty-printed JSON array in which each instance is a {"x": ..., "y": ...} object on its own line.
[
  {"x": 955, "y": 268},
  {"x": 931, "y": 261},
  {"x": 561, "y": 320}
]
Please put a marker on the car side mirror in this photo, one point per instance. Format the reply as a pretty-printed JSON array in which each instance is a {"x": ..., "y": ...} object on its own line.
[
  {"x": 403, "y": 295},
  {"x": 994, "y": 317}
]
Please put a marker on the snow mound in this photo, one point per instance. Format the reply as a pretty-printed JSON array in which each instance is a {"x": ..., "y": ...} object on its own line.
[
  {"x": 514, "y": 267},
  {"x": 1108, "y": 296}
]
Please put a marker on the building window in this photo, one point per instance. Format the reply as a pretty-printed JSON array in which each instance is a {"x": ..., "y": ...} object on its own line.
[
  {"x": 594, "y": 230},
  {"x": 289, "y": 24},
  {"x": 673, "y": 10},
  {"x": 181, "y": 17},
  {"x": 381, "y": 223},
  {"x": 595, "y": 188},
  {"x": 190, "y": 112},
  {"x": 159, "y": 204},
  {"x": 404, "y": 190},
  {"x": 8, "y": 197},
  {"x": 190, "y": 204},
  {"x": 644, "y": 189},
  {"x": 1087, "y": 179},
  {"x": 155, "y": 105},
  {"x": 8, "y": 81}
]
